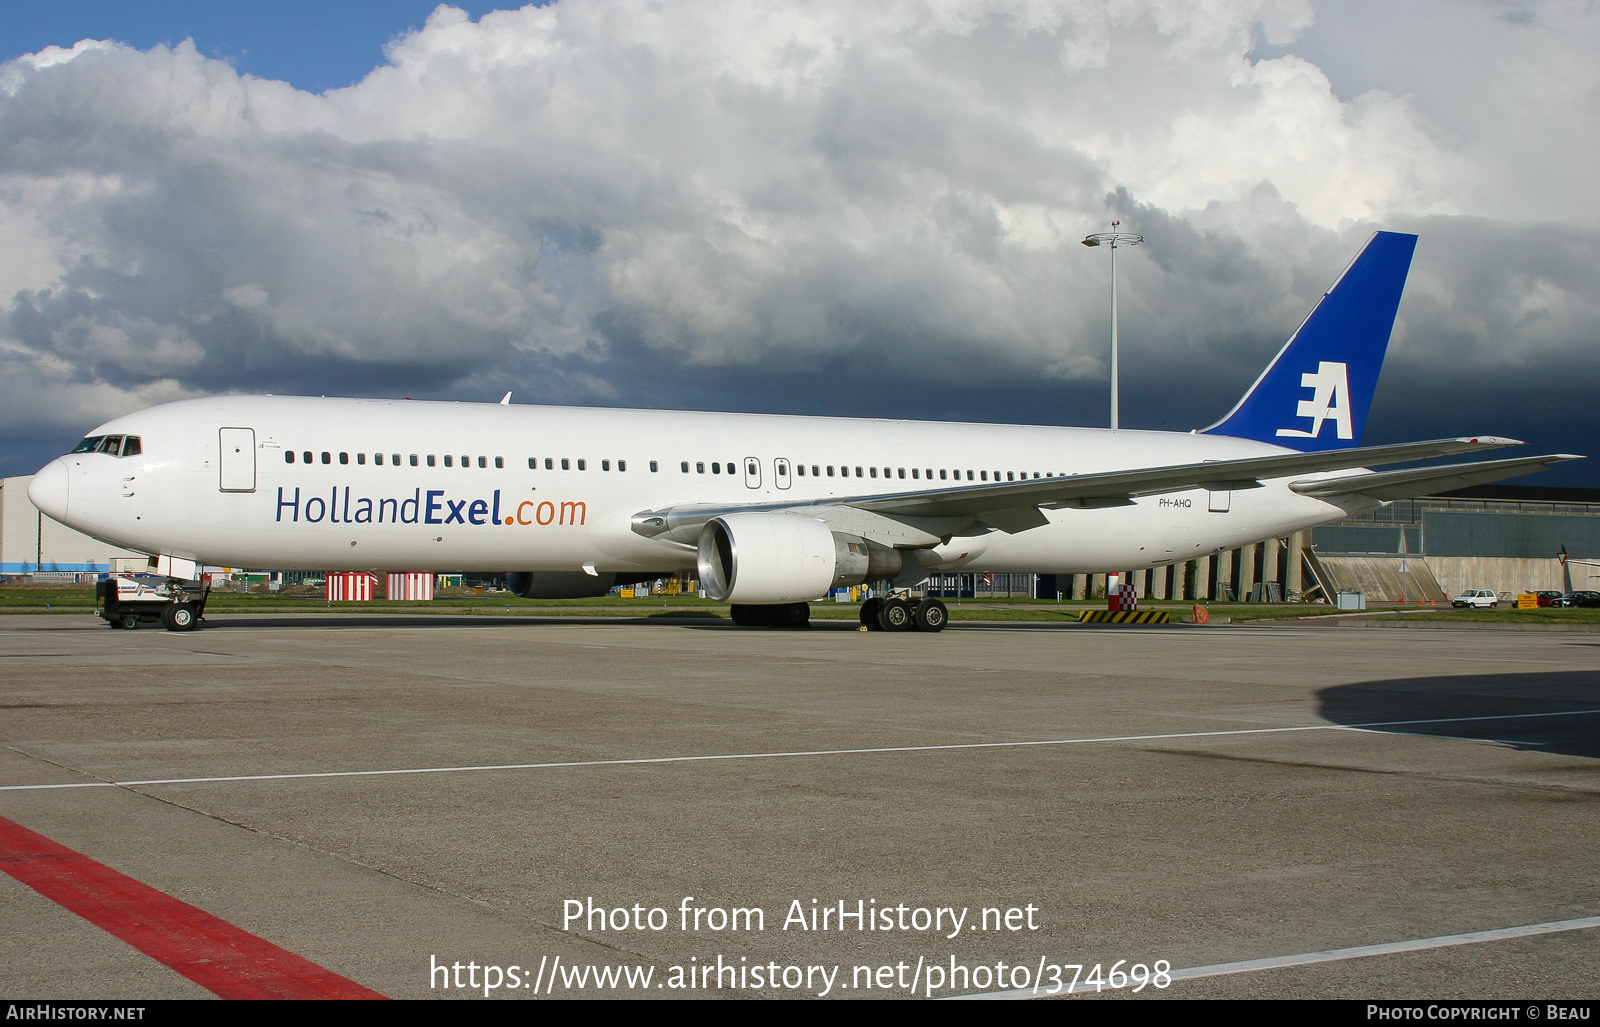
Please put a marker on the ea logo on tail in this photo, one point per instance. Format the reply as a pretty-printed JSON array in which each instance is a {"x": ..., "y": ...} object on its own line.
[{"x": 1330, "y": 401}]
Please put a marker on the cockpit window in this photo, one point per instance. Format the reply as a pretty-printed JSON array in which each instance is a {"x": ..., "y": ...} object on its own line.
[{"x": 113, "y": 445}]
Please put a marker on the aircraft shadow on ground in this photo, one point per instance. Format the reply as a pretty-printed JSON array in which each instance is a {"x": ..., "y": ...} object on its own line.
[{"x": 1378, "y": 704}]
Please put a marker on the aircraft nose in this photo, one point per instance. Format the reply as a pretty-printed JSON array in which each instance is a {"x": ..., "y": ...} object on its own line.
[{"x": 48, "y": 490}]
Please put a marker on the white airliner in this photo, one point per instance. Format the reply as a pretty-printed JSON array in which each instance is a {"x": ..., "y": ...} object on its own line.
[{"x": 768, "y": 511}]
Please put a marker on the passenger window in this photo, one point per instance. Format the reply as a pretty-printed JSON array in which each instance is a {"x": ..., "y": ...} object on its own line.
[
  {"x": 396, "y": 459},
  {"x": 327, "y": 458},
  {"x": 942, "y": 474},
  {"x": 984, "y": 475},
  {"x": 377, "y": 459},
  {"x": 583, "y": 465},
  {"x": 750, "y": 468},
  {"x": 414, "y": 460},
  {"x": 483, "y": 461},
  {"x": 622, "y": 465},
  {"x": 605, "y": 465},
  {"x": 927, "y": 473},
  {"x": 306, "y": 456},
  {"x": 830, "y": 470},
  {"x": 533, "y": 463},
  {"x": 344, "y": 458},
  {"x": 1009, "y": 476},
  {"x": 800, "y": 469},
  {"x": 684, "y": 467},
  {"x": 466, "y": 461},
  {"x": 969, "y": 475},
  {"x": 716, "y": 468},
  {"x": 288, "y": 457},
  {"x": 361, "y": 458},
  {"x": 566, "y": 464},
  {"x": 816, "y": 474},
  {"x": 858, "y": 472},
  {"x": 699, "y": 468},
  {"x": 874, "y": 472},
  {"x": 448, "y": 460},
  {"x": 654, "y": 468},
  {"x": 549, "y": 464},
  {"x": 430, "y": 459}
]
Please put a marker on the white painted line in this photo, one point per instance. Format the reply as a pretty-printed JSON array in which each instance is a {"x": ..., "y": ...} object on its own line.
[
  {"x": 643, "y": 760},
  {"x": 1335, "y": 955}
]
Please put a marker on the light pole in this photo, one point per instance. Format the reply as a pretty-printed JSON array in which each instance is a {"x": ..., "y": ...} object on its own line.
[{"x": 1114, "y": 239}]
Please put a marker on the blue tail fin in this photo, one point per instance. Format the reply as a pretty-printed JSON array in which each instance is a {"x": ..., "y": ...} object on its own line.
[{"x": 1316, "y": 392}]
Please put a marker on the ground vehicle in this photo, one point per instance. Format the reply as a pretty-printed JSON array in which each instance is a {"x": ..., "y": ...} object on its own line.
[
  {"x": 127, "y": 601},
  {"x": 1583, "y": 598},
  {"x": 1549, "y": 598},
  {"x": 1477, "y": 599}
]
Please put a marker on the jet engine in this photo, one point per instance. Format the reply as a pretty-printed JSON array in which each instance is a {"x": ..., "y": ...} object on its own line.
[{"x": 771, "y": 558}]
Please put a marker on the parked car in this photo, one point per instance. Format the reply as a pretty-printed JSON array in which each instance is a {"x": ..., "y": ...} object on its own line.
[
  {"x": 1477, "y": 599},
  {"x": 1583, "y": 598},
  {"x": 1548, "y": 598}
]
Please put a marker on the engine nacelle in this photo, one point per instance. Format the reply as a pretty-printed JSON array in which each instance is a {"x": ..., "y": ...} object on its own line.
[
  {"x": 569, "y": 584},
  {"x": 766, "y": 558}
]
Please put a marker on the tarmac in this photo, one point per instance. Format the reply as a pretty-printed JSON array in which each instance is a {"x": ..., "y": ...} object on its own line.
[{"x": 383, "y": 795}]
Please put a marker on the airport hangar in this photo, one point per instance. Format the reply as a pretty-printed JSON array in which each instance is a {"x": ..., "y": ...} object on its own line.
[{"x": 1500, "y": 537}]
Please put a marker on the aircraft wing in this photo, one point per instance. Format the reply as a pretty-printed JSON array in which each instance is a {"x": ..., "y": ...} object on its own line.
[
  {"x": 1019, "y": 505},
  {"x": 1425, "y": 481}
]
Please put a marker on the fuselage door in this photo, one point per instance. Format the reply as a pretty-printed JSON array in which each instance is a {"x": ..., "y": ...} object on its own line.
[
  {"x": 238, "y": 463},
  {"x": 752, "y": 472},
  {"x": 780, "y": 472}
]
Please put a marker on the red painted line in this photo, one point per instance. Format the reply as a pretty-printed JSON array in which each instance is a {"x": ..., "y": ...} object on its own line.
[{"x": 210, "y": 952}]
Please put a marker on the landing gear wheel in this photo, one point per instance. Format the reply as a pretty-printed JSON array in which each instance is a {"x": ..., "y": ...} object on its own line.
[
  {"x": 129, "y": 622},
  {"x": 931, "y": 615},
  {"x": 178, "y": 617},
  {"x": 793, "y": 615},
  {"x": 869, "y": 614},
  {"x": 740, "y": 615},
  {"x": 894, "y": 615}
]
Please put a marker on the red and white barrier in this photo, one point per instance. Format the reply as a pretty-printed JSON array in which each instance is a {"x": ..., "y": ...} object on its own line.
[
  {"x": 350, "y": 587},
  {"x": 411, "y": 586},
  {"x": 1124, "y": 598}
]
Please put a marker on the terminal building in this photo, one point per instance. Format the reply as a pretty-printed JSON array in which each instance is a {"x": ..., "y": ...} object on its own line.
[{"x": 1501, "y": 537}]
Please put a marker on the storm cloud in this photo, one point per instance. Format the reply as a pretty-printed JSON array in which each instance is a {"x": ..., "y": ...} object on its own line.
[{"x": 827, "y": 207}]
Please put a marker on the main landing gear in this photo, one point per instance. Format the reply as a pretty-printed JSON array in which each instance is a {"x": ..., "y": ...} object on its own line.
[
  {"x": 892, "y": 614},
  {"x": 897, "y": 614}
]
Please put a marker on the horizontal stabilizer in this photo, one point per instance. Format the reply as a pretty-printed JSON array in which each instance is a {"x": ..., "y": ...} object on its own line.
[{"x": 1427, "y": 481}]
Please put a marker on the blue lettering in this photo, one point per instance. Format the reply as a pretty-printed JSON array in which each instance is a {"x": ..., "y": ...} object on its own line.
[
  {"x": 322, "y": 509},
  {"x": 414, "y": 502},
  {"x": 394, "y": 517},
  {"x": 455, "y": 511},
  {"x": 496, "y": 518},
  {"x": 364, "y": 511},
  {"x": 433, "y": 507},
  {"x": 295, "y": 506},
  {"x": 333, "y": 506},
  {"x": 477, "y": 511}
]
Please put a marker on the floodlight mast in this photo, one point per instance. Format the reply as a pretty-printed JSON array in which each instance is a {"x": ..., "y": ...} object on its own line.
[{"x": 1114, "y": 239}]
